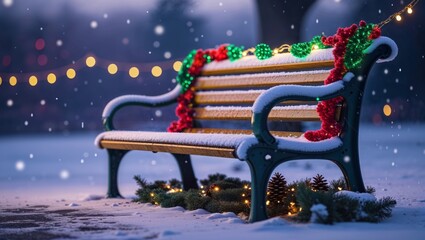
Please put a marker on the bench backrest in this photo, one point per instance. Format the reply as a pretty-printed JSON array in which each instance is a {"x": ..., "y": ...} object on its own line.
[{"x": 227, "y": 90}]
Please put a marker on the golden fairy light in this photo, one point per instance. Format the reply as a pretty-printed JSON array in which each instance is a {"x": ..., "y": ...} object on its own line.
[
  {"x": 387, "y": 110},
  {"x": 70, "y": 73},
  {"x": 13, "y": 81},
  {"x": 51, "y": 78},
  {"x": 133, "y": 72},
  {"x": 90, "y": 61},
  {"x": 156, "y": 71},
  {"x": 32, "y": 80},
  {"x": 112, "y": 68},
  {"x": 177, "y": 65}
]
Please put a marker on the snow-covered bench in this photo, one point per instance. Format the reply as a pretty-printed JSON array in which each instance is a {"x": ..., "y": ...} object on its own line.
[{"x": 282, "y": 88}]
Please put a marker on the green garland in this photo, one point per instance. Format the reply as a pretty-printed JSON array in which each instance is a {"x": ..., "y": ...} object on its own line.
[
  {"x": 302, "y": 50},
  {"x": 220, "y": 193},
  {"x": 356, "y": 45}
]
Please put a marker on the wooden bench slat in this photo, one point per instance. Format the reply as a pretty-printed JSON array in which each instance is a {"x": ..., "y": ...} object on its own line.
[
  {"x": 241, "y": 131},
  {"x": 244, "y": 113},
  {"x": 261, "y": 80},
  {"x": 234, "y": 97},
  {"x": 269, "y": 68},
  {"x": 168, "y": 147}
]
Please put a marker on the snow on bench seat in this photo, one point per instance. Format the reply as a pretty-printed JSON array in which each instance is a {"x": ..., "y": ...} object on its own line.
[{"x": 239, "y": 142}]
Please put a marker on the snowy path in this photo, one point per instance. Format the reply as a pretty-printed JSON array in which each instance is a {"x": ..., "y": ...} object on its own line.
[{"x": 41, "y": 175}]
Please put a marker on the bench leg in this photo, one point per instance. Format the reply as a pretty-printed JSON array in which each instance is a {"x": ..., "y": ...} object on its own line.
[
  {"x": 186, "y": 171},
  {"x": 352, "y": 173},
  {"x": 260, "y": 174},
  {"x": 115, "y": 157}
]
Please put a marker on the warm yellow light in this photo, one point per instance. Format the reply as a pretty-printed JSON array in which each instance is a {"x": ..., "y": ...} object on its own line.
[
  {"x": 1, "y": 81},
  {"x": 339, "y": 189},
  {"x": 90, "y": 61},
  {"x": 246, "y": 186},
  {"x": 51, "y": 78},
  {"x": 133, "y": 72},
  {"x": 387, "y": 110},
  {"x": 315, "y": 47},
  {"x": 409, "y": 10},
  {"x": 267, "y": 202},
  {"x": 70, "y": 73},
  {"x": 246, "y": 201},
  {"x": 293, "y": 189},
  {"x": 398, "y": 18},
  {"x": 152, "y": 194},
  {"x": 275, "y": 51},
  {"x": 112, "y": 68},
  {"x": 177, "y": 65},
  {"x": 156, "y": 71},
  {"x": 289, "y": 213},
  {"x": 33, "y": 80},
  {"x": 216, "y": 189},
  {"x": 13, "y": 81}
]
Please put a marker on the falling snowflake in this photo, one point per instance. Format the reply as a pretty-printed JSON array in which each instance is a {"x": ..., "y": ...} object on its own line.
[
  {"x": 64, "y": 174},
  {"x": 20, "y": 165},
  {"x": 43, "y": 102},
  {"x": 158, "y": 113},
  {"x": 93, "y": 24},
  {"x": 229, "y": 33},
  {"x": 159, "y": 30},
  {"x": 167, "y": 55},
  {"x": 9, "y": 102}
]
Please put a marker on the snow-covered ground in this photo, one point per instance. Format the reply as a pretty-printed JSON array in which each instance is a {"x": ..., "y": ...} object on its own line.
[{"x": 49, "y": 185}]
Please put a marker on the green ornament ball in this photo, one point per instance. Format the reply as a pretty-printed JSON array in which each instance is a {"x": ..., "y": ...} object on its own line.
[{"x": 263, "y": 51}]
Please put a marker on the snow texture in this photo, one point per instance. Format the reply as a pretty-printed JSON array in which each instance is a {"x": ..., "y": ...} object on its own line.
[
  {"x": 150, "y": 100},
  {"x": 284, "y": 58},
  {"x": 294, "y": 90},
  {"x": 240, "y": 142},
  {"x": 361, "y": 197},
  {"x": 38, "y": 191},
  {"x": 381, "y": 41},
  {"x": 318, "y": 212}
]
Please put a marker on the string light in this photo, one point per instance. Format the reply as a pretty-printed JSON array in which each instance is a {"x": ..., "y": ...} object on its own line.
[
  {"x": 90, "y": 61},
  {"x": 156, "y": 71},
  {"x": 397, "y": 15},
  {"x": 112, "y": 68},
  {"x": 177, "y": 65},
  {"x": 1, "y": 81},
  {"x": 51, "y": 78},
  {"x": 32, "y": 80},
  {"x": 387, "y": 110},
  {"x": 133, "y": 72},
  {"x": 70, "y": 73},
  {"x": 13, "y": 81}
]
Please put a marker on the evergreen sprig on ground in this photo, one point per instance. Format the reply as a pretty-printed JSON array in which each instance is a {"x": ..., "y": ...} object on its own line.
[{"x": 306, "y": 200}]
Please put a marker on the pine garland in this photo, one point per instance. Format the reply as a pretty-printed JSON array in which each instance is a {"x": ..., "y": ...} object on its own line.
[{"x": 301, "y": 200}]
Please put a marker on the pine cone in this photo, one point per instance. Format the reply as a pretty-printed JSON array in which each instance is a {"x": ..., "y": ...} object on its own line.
[
  {"x": 319, "y": 183},
  {"x": 276, "y": 189}
]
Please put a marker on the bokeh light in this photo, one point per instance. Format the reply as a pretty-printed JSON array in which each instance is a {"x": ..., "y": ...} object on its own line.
[
  {"x": 64, "y": 174},
  {"x": 387, "y": 110},
  {"x": 156, "y": 71},
  {"x": 133, "y": 72},
  {"x": 33, "y": 80},
  {"x": 112, "y": 68},
  {"x": 90, "y": 61},
  {"x": 42, "y": 60},
  {"x": 13, "y": 81},
  {"x": 159, "y": 30},
  {"x": 20, "y": 165},
  {"x": 1, "y": 81},
  {"x": 51, "y": 78},
  {"x": 40, "y": 44},
  {"x": 70, "y": 73},
  {"x": 177, "y": 65}
]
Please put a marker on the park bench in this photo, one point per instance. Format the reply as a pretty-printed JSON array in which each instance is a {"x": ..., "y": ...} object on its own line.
[{"x": 281, "y": 88}]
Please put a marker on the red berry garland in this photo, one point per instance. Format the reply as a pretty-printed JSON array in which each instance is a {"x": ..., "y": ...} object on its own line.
[{"x": 326, "y": 109}]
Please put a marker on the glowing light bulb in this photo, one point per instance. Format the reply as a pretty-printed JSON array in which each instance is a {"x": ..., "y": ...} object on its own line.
[
  {"x": 1, "y": 81},
  {"x": 90, "y": 61},
  {"x": 112, "y": 68},
  {"x": 387, "y": 110},
  {"x": 32, "y": 80},
  {"x": 177, "y": 65},
  {"x": 409, "y": 10},
  {"x": 398, "y": 18},
  {"x": 315, "y": 47},
  {"x": 13, "y": 81},
  {"x": 156, "y": 71},
  {"x": 70, "y": 73},
  {"x": 133, "y": 72},
  {"x": 51, "y": 78}
]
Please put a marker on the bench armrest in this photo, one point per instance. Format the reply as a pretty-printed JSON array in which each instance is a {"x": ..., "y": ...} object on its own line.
[
  {"x": 267, "y": 100},
  {"x": 136, "y": 100}
]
